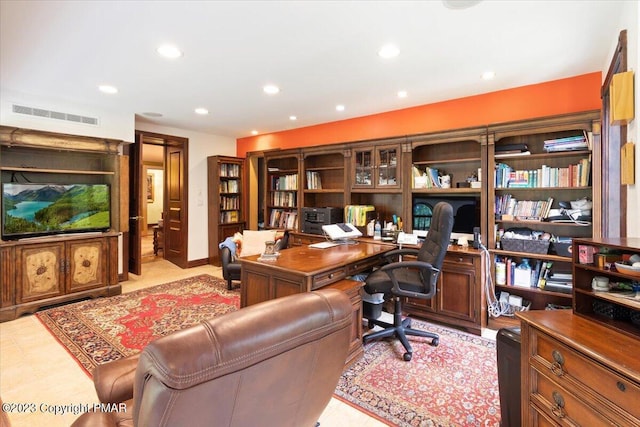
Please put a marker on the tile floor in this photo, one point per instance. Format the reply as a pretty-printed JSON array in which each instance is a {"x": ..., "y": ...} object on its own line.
[{"x": 34, "y": 368}]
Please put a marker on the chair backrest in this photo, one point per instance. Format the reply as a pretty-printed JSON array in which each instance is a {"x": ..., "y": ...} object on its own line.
[
  {"x": 434, "y": 247},
  {"x": 274, "y": 363}
]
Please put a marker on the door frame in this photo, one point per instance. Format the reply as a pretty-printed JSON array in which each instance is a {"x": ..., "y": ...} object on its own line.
[{"x": 180, "y": 257}]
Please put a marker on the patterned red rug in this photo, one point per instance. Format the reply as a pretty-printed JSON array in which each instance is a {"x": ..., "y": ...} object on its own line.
[
  {"x": 453, "y": 384},
  {"x": 104, "y": 329}
]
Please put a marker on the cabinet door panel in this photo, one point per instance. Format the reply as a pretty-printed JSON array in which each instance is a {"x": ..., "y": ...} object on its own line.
[
  {"x": 86, "y": 265},
  {"x": 40, "y": 273},
  {"x": 456, "y": 292}
]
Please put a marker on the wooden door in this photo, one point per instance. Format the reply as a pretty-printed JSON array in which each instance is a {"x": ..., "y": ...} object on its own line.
[
  {"x": 136, "y": 189},
  {"x": 175, "y": 205}
]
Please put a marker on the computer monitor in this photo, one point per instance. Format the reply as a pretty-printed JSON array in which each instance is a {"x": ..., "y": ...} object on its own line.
[{"x": 341, "y": 232}]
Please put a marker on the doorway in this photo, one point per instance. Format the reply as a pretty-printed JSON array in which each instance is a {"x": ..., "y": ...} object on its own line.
[{"x": 157, "y": 199}]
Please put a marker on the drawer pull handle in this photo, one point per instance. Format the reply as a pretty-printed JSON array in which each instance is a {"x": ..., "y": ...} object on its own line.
[
  {"x": 558, "y": 409},
  {"x": 330, "y": 275},
  {"x": 621, "y": 386},
  {"x": 556, "y": 367}
]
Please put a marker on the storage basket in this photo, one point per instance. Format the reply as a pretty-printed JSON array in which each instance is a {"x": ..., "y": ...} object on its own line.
[
  {"x": 525, "y": 245},
  {"x": 611, "y": 311}
]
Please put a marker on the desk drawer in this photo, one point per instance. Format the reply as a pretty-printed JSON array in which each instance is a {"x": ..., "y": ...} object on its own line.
[
  {"x": 562, "y": 405},
  {"x": 364, "y": 265},
  {"x": 328, "y": 277},
  {"x": 567, "y": 365},
  {"x": 459, "y": 259}
]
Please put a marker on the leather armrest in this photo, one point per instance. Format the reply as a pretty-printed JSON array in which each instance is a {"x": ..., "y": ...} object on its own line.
[{"x": 114, "y": 380}]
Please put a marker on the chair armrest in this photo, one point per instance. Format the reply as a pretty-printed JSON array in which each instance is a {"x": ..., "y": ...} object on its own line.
[
  {"x": 427, "y": 270},
  {"x": 114, "y": 380}
]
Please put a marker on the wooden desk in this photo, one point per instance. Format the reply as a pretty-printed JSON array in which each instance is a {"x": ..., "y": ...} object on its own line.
[{"x": 304, "y": 269}]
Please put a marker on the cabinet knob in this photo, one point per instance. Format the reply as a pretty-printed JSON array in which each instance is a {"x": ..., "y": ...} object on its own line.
[
  {"x": 621, "y": 386},
  {"x": 557, "y": 366}
]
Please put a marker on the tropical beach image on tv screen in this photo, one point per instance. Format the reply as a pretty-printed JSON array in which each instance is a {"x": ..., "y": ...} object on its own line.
[{"x": 37, "y": 209}]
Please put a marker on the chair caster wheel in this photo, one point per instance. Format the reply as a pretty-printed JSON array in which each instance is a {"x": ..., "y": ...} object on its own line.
[
  {"x": 407, "y": 357},
  {"x": 435, "y": 342},
  {"x": 370, "y": 324}
]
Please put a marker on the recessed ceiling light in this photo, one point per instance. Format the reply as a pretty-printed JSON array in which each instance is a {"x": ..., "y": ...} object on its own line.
[
  {"x": 293, "y": 118},
  {"x": 388, "y": 51},
  {"x": 460, "y": 4},
  {"x": 488, "y": 75},
  {"x": 254, "y": 132},
  {"x": 152, "y": 114},
  {"x": 169, "y": 51},
  {"x": 271, "y": 89},
  {"x": 201, "y": 111},
  {"x": 402, "y": 94},
  {"x": 339, "y": 107},
  {"x": 108, "y": 89}
]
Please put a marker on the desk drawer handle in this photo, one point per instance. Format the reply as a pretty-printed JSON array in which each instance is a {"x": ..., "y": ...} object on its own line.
[
  {"x": 621, "y": 386},
  {"x": 556, "y": 367},
  {"x": 558, "y": 409},
  {"x": 330, "y": 275}
]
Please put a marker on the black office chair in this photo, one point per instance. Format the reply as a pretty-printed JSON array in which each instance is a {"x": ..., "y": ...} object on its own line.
[
  {"x": 413, "y": 279},
  {"x": 231, "y": 267}
]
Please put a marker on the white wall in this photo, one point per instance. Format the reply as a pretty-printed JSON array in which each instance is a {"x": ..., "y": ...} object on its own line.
[
  {"x": 201, "y": 146},
  {"x": 630, "y": 20},
  {"x": 110, "y": 125}
]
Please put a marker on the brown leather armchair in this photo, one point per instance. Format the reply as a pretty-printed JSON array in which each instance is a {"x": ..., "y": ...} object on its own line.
[{"x": 275, "y": 363}]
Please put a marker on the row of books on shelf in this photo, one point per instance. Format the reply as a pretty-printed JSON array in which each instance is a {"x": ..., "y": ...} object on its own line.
[
  {"x": 229, "y": 169},
  {"x": 359, "y": 215},
  {"x": 229, "y": 216},
  {"x": 231, "y": 186},
  {"x": 229, "y": 202},
  {"x": 285, "y": 182},
  {"x": 427, "y": 179},
  {"x": 313, "y": 180},
  {"x": 281, "y": 218},
  {"x": 540, "y": 275},
  {"x": 574, "y": 175},
  {"x": 534, "y": 210},
  {"x": 284, "y": 198}
]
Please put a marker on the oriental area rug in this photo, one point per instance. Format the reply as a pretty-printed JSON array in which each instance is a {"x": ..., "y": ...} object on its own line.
[
  {"x": 105, "y": 329},
  {"x": 453, "y": 384}
]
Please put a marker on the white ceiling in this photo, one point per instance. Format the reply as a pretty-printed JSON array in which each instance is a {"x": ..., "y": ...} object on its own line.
[{"x": 320, "y": 53}]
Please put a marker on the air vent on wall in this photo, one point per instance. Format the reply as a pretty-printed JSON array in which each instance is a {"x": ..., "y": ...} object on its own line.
[{"x": 39, "y": 112}]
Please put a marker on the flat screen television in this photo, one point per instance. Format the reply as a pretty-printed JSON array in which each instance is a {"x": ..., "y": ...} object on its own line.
[
  {"x": 466, "y": 211},
  {"x": 30, "y": 209}
]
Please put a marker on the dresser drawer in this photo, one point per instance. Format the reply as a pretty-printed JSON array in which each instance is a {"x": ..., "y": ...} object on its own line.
[
  {"x": 559, "y": 361},
  {"x": 562, "y": 406},
  {"x": 328, "y": 277}
]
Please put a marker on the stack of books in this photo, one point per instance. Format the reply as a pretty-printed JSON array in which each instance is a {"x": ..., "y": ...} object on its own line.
[
  {"x": 511, "y": 150},
  {"x": 570, "y": 143}
]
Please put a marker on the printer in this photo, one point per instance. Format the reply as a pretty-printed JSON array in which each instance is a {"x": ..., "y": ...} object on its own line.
[{"x": 314, "y": 218}]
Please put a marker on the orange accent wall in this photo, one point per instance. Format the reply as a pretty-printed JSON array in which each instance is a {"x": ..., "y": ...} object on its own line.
[{"x": 570, "y": 95}]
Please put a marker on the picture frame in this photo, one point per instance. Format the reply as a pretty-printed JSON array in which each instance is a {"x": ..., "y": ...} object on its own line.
[{"x": 150, "y": 188}]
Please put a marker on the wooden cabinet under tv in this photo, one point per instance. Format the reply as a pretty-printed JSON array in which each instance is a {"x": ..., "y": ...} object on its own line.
[{"x": 41, "y": 272}]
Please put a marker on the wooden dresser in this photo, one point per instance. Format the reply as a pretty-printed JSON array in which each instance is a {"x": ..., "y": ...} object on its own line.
[{"x": 577, "y": 372}]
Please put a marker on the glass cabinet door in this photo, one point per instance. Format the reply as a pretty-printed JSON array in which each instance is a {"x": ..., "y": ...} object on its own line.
[
  {"x": 377, "y": 167},
  {"x": 388, "y": 167},
  {"x": 363, "y": 168}
]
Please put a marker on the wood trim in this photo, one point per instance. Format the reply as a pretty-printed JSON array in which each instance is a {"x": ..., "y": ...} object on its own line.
[{"x": 39, "y": 139}]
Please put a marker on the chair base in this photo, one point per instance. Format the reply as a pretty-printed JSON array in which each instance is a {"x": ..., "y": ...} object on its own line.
[{"x": 399, "y": 329}]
